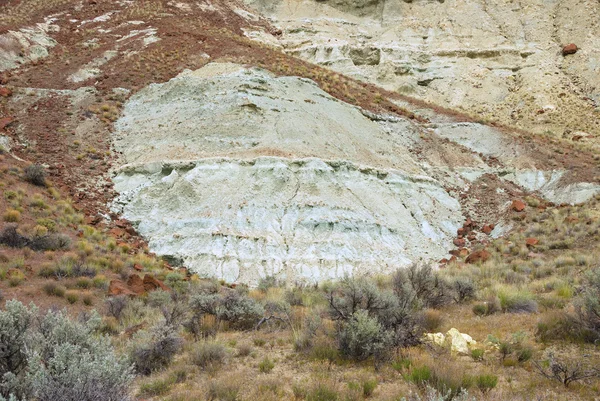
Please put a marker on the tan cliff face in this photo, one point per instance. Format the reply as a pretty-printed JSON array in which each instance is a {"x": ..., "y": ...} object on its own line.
[{"x": 498, "y": 60}]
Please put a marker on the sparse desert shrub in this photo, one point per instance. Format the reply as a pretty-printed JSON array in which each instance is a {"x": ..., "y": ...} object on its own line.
[
  {"x": 486, "y": 383},
  {"x": 11, "y": 237},
  {"x": 567, "y": 369},
  {"x": 363, "y": 337},
  {"x": 430, "y": 288},
  {"x": 432, "y": 320},
  {"x": 156, "y": 388},
  {"x": 54, "y": 290},
  {"x": 223, "y": 389},
  {"x": 266, "y": 365},
  {"x": 588, "y": 307},
  {"x": 57, "y": 359},
  {"x": 322, "y": 391},
  {"x": 244, "y": 350},
  {"x": 464, "y": 290},
  {"x": 50, "y": 242},
  {"x": 368, "y": 387},
  {"x": 72, "y": 297},
  {"x": 35, "y": 174},
  {"x": 265, "y": 283},
  {"x": 395, "y": 312},
  {"x": 116, "y": 305},
  {"x": 12, "y": 216},
  {"x": 208, "y": 355},
  {"x": 444, "y": 379},
  {"x": 156, "y": 352},
  {"x": 477, "y": 354},
  {"x": 515, "y": 301},
  {"x": 293, "y": 296},
  {"x": 238, "y": 309}
]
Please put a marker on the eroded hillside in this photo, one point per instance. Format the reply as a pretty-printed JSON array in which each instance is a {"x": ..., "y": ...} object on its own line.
[{"x": 500, "y": 60}]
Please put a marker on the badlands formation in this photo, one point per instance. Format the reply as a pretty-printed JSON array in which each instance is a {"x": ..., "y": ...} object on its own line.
[
  {"x": 499, "y": 60},
  {"x": 239, "y": 174}
]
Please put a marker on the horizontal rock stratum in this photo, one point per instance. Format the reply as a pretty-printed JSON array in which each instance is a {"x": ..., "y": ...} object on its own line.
[{"x": 240, "y": 174}]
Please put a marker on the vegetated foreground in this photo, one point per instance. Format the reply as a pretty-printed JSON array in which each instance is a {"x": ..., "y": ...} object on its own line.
[{"x": 516, "y": 318}]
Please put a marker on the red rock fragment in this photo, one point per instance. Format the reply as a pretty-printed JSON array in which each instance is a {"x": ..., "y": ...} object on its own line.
[
  {"x": 518, "y": 205},
  {"x": 136, "y": 284},
  {"x": 531, "y": 242},
  {"x": 5, "y": 122},
  {"x": 487, "y": 229},
  {"x": 460, "y": 242},
  {"x": 151, "y": 283},
  {"x": 478, "y": 256},
  {"x": 117, "y": 287},
  {"x": 571, "y": 48},
  {"x": 5, "y": 92}
]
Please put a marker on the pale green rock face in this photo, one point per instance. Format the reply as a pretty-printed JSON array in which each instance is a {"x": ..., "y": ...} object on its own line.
[{"x": 240, "y": 174}]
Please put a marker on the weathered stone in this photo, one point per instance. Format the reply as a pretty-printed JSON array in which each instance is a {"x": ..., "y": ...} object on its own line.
[
  {"x": 117, "y": 287},
  {"x": 571, "y": 48},
  {"x": 518, "y": 205},
  {"x": 458, "y": 342},
  {"x": 151, "y": 283},
  {"x": 487, "y": 229},
  {"x": 531, "y": 242},
  {"x": 435, "y": 338},
  {"x": 478, "y": 256},
  {"x": 460, "y": 242},
  {"x": 136, "y": 284},
  {"x": 5, "y": 92},
  {"x": 5, "y": 122}
]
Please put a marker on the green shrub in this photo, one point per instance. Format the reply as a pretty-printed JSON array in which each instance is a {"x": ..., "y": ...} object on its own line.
[
  {"x": 322, "y": 392},
  {"x": 72, "y": 297},
  {"x": 155, "y": 388},
  {"x": 524, "y": 354},
  {"x": 477, "y": 354},
  {"x": 363, "y": 337},
  {"x": 238, "y": 309},
  {"x": 516, "y": 301},
  {"x": 58, "y": 359},
  {"x": 486, "y": 382},
  {"x": 480, "y": 309},
  {"x": 266, "y": 365},
  {"x": 419, "y": 375},
  {"x": 368, "y": 387}
]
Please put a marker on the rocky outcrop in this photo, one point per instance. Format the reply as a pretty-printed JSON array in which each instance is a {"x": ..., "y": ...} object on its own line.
[
  {"x": 240, "y": 174},
  {"x": 454, "y": 340}
]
